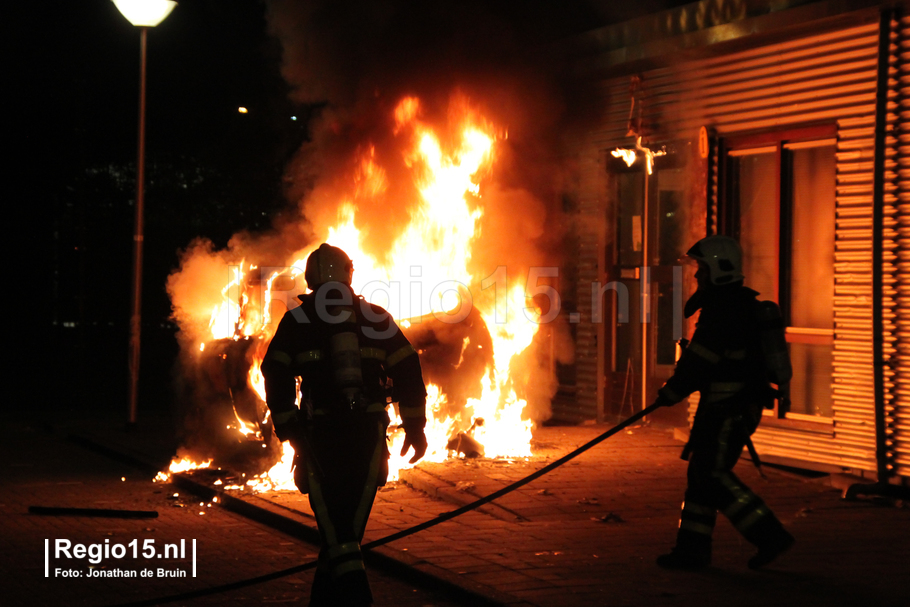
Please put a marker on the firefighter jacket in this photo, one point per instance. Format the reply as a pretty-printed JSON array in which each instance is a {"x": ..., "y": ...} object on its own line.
[
  {"x": 724, "y": 360},
  {"x": 301, "y": 348}
]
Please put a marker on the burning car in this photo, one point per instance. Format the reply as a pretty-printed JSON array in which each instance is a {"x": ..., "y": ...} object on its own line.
[{"x": 475, "y": 326}]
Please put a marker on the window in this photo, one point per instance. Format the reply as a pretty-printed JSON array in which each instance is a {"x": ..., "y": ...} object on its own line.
[
  {"x": 810, "y": 312},
  {"x": 780, "y": 204}
]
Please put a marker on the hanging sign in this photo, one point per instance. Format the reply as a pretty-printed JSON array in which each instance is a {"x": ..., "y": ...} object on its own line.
[{"x": 703, "y": 142}]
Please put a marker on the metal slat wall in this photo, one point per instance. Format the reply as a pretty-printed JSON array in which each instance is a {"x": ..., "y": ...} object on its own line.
[
  {"x": 825, "y": 78},
  {"x": 777, "y": 86},
  {"x": 898, "y": 414}
]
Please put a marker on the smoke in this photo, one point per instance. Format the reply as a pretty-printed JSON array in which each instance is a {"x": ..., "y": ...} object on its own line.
[
  {"x": 358, "y": 59},
  {"x": 352, "y": 63},
  {"x": 197, "y": 287}
]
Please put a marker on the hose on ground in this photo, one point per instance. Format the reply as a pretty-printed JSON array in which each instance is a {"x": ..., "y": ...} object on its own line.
[{"x": 445, "y": 516}]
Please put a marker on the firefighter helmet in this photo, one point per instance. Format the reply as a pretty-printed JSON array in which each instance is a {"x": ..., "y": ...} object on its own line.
[
  {"x": 722, "y": 256},
  {"x": 328, "y": 264}
]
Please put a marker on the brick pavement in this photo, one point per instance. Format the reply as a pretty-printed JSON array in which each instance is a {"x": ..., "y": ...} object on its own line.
[
  {"x": 39, "y": 469},
  {"x": 587, "y": 533}
]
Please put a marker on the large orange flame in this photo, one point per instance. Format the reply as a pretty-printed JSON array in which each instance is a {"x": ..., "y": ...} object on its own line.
[{"x": 431, "y": 257}]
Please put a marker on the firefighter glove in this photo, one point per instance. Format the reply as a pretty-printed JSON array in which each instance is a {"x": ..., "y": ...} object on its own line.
[{"x": 417, "y": 439}]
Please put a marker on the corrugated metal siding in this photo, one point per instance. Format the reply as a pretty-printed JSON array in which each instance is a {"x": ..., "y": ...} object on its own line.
[
  {"x": 777, "y": 86},
  {"x": 852, "y": 391},
  {"x": 826, "y": 78},
  {"x": 898, "y": 412}
]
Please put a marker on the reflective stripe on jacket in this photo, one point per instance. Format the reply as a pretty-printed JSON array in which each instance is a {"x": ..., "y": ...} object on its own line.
[
  {"x": 723, "y": 360},
  {"x": 300, "y": 348}
]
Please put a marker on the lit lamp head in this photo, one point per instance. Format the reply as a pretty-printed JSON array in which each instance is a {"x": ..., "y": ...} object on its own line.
[
  {"x": 629, "y": 156},
  {"x": 145, "y": 13}
]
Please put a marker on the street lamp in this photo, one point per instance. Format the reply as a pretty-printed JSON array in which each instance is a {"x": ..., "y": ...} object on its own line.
[{"x": 143, "y": 14}]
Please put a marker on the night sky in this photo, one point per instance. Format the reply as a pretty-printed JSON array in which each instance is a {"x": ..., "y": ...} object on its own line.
[{"x": 210, "y": 171}]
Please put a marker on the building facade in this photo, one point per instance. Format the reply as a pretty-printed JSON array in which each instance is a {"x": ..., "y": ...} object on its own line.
[{"x": 785, "y": 124}]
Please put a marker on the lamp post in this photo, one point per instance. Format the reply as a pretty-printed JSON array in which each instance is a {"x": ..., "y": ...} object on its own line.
[{"x": 143, "y": 14}]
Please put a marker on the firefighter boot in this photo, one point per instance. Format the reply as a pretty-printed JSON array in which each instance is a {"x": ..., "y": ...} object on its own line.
[
  {"x": 771, "y": 539},
  {"x": 353, "y": 590},
  {"x": 321, "y": 590},
  {"x": 691, "y": 553},
  {"x": 770, "y": 550}
]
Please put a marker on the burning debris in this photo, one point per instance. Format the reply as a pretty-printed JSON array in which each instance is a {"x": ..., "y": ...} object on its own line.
[{"x": 463, "y": 443}]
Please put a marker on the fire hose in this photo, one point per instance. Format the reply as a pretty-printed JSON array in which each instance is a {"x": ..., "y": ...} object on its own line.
[{"x": 445, "y": 516}]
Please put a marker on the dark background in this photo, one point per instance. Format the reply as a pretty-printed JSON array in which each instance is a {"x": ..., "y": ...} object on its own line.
[
  {"x": 210, "y": 171},
  {"x": 72, "y": 103}
]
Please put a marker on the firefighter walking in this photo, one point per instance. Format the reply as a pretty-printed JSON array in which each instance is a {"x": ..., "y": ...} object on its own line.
[
  {"x": 351, "y": 360},
  {"x": 725, "y": 363}
]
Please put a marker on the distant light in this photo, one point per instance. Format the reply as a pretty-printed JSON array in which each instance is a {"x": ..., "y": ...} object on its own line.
[
  {"x": 145, "y": 13},
  {"x": 242, "y": 110},
  {"x": 293, "y": 117}
]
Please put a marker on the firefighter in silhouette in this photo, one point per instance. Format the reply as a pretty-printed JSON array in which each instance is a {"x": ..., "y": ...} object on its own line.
[
  {"x": 351, "y": 360},
  {"x": 725, "y": 363}
]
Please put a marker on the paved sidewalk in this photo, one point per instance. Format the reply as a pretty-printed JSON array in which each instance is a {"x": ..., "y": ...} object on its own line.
[
  {"x": 587, "y": 533},
  {"x": 41, "y": 469}
]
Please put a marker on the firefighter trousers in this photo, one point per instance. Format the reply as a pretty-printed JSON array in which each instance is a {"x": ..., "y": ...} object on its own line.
[
  {"x": 346, "y": 460},
  {"x": 714, "y": 449}
]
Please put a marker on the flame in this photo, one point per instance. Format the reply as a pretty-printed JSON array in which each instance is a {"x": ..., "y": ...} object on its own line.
[
  {"x": 627, "y": 155},
  {"x": 226, "y": 315},
  {"x": 508, "y": 434},
  {"x": 432, "y": 256},
  {"x": 182, "y": 465},
  {"x": 187, "y": 464},
  {"x": 279, "y": 477},
  {"x": 257, "y": 382}
]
